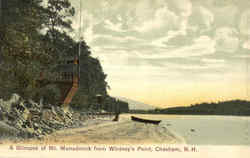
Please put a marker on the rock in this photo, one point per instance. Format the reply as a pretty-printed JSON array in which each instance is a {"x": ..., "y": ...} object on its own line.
[
  {"x": 2, "y": 114},
  {"x": 47, "y": 115},
  {"x": 65, "y": 108},
  {"x": 76, "y": 116},
  {"x": 47, "y": 106},
  {"x": 34, "y": 104},
  {"x": 41, "y": 102},
  {"x": 7, "y": 131},
  {"x": 26, "y": 133},
  {"x": 15, "y": 98},
  {"x": 69, "y": 115},
  {"x": 53, "y": 110},
  {"x": 34, "y": 115},
  {"x": 27, "y": 104},
  {"x": 26, "y": 114},
  {"x": 30, "y": 119},
  {"x": 6, "y": 105}
]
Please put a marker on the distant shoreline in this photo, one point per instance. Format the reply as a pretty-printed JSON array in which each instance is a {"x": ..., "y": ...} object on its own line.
[
  {"x": 186, "y": 114},
  {"x": 226, "y": 108}
]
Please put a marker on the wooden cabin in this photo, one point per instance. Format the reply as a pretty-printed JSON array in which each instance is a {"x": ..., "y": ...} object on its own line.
[{"x": 65, "y": 76}]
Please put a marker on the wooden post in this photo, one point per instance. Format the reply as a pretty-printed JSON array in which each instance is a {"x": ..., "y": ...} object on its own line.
[{"x": 117, "y": 111}]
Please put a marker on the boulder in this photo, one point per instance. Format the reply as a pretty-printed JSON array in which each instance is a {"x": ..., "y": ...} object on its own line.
[
  {"x": 15, "y": 98},
  {"x": 26, "y": 114},
  {"x": 29, "y": 119},
  {"x": 47, "y": 114},
  {"x": 5, "y": 105}
]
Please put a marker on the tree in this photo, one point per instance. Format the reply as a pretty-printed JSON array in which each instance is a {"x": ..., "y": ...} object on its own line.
[
  {"x": 57, "y": 14},
  {"x": 21, "y": 44},
  {"x": 25, "y": 51},
  {"x": 57, "y": 17},
  {"x": 33, "y": 39}
]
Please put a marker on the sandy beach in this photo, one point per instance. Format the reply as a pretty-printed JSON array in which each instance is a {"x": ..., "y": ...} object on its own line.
[{"x": 105, "y": 131}]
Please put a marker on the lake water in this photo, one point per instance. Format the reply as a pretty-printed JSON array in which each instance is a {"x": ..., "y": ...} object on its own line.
[{"x": 206, "y": 129}]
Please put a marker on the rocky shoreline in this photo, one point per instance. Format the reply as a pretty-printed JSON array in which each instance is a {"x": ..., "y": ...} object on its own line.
[{"x": 22, "y": 119}]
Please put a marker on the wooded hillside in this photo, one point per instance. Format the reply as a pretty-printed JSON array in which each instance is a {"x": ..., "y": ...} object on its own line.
[{"x": 34, "y": 37}]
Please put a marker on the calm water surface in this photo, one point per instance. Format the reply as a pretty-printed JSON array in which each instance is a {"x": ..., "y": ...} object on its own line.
[{"x": 206, "y": 129}]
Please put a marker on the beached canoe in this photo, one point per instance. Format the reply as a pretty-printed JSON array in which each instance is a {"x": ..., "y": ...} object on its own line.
[{"x": 156, "y": 122}]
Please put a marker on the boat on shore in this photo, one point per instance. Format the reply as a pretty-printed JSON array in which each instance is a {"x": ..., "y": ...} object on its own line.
[{"x": 137, "y": 119}]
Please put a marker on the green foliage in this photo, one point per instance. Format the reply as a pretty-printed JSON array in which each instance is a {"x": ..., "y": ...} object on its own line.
[
  {"x": 57, "y": 14},
  {"x": 24, "y": 50},
  {"x": 92, "y": 80},
  {"x": 33, "y": 38},
  {"x": 20, "y": 44}
]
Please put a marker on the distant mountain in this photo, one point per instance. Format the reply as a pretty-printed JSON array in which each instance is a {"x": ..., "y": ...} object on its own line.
[{"x": 136, "y": 105}]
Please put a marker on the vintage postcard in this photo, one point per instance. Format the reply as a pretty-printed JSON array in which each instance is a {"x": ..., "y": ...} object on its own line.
[{"x": 124, "y": 78}]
